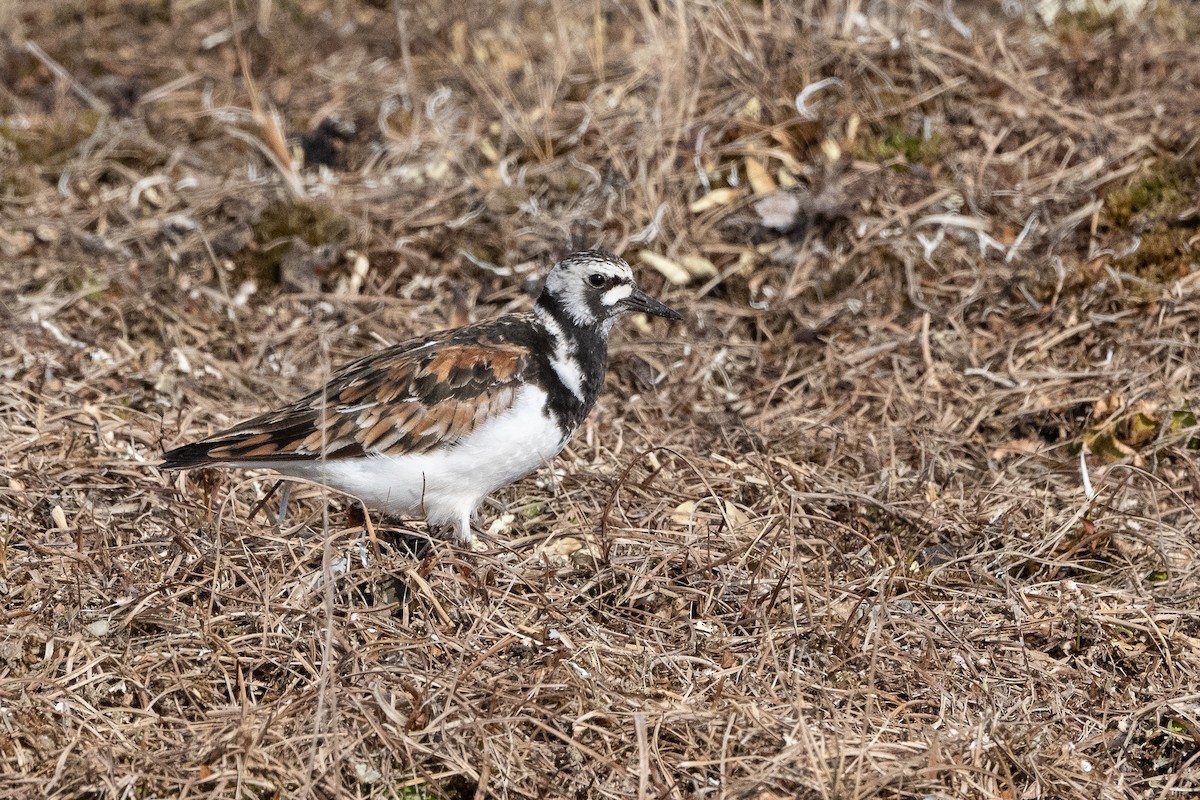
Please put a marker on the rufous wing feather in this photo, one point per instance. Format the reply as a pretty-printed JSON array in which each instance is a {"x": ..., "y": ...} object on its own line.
[{"x": 409, "y": 398}]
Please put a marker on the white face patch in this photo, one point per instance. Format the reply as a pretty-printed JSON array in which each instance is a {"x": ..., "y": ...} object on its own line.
[{"x": 616, "y": 295}]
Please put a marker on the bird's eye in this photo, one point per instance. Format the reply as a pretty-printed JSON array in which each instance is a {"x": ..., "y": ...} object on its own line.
[{"x": 596, "y": 279}]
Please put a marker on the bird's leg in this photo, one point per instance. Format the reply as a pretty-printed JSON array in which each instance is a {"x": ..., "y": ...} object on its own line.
[
  {"x": 263, "y": 502},
  {"x": 284, "y": 493},
  {"x": 466, "y": 537}
]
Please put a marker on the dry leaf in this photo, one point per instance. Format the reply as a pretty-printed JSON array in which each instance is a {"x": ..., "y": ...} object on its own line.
[
  {"x": 566, "y": 551},
  {"x": 715, "y": 198},
  {"x": 737, "y": 518},
  {"x": 501, "y": 525},
  {"x": 641, "y": 322},
  {"x": 1140, "y": 429},
  {"x": 852, "y": 128},
  {"x": 747, "y": 263},
  {"x": 752, "y": 110},
  {"x": 1018, "y": 447},
  {"x": 59, "y": 517},
  {"x": 458, "y": 40},
  {"x": 672, "y": 271},
  {"x": 760, "y": 180},
  {"x": 1107, "y": 406},
  {"x": 360, "y": 266},
  {"x": 684, "y": 514},
  {"x": 489, "y": 150},
  {"x": 699, "y": 267},
  {"x": 1107, "y": 447}
]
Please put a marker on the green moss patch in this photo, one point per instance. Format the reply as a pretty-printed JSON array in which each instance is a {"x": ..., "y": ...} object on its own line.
[
  {"x": 53, "y": 143},
  {"x": 892, "y": 144},
  {"x": 1153, "y": 209},
  {"x": 282, "y": 224}
]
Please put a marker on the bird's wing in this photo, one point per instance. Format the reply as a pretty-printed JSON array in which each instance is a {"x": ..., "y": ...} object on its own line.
[{"x": 407, "y": 399}]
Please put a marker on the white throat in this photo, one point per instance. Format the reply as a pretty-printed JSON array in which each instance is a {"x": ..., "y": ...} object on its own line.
[{"x": 563, "y": 360}]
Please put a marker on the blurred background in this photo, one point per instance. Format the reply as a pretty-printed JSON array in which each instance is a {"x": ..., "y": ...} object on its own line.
[{"x": 906, "y": 509}]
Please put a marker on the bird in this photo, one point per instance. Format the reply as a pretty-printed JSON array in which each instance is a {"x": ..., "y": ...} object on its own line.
[{"x": 434, "y": 425}]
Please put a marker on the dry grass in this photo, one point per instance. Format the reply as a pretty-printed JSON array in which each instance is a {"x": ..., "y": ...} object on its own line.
[{"x": 836, "y": 539}]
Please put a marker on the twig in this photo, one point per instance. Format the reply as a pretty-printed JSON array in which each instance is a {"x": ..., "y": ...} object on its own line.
[{"x": 61, "y": 73}]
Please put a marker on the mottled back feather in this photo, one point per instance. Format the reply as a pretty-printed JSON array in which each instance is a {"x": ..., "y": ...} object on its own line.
[{"x": 410, "y": 398}]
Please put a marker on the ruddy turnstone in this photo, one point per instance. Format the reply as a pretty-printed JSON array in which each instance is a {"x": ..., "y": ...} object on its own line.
[{"x": 433, "y": 425}]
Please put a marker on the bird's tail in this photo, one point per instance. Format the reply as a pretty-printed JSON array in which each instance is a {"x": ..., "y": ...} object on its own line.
[{"x": 189, "y": 456}]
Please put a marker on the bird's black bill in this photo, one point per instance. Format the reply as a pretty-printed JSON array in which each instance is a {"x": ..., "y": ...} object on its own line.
[{"x": 640, "y": 301}]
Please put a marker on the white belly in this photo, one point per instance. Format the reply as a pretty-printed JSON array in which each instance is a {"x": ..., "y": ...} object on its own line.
[{"x": 446, "y": 486}]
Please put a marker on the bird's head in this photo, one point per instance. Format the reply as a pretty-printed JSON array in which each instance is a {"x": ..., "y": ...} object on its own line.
[{"x": 593, "y": 289}]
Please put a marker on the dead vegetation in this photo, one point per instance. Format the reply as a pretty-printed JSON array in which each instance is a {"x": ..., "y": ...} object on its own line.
[{"x": 908, "y": 510}]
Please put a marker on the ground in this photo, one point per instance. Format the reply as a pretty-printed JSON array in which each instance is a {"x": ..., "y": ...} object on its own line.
[{"x": 906, "y": 508}]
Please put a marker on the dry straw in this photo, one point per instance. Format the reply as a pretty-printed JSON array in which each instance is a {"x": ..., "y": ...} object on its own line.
[{"x": 831, "y": 542}]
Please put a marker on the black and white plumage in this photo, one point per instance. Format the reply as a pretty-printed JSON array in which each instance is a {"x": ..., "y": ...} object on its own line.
[{"x": 433, "y": 425}]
